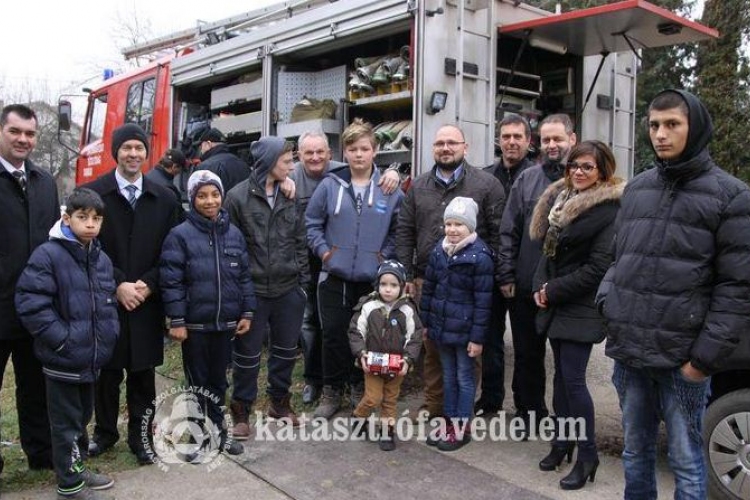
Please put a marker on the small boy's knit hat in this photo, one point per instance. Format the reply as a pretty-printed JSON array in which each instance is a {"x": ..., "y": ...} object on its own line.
[
  {"x": 464, "y": 210},
  {"x": 395, "y": 268},
  {"x": 202, "y": 178}
]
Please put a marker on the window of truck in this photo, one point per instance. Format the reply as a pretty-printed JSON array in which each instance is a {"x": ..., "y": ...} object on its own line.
[
  {"x": 140, "y": 106},
  {"x": 97, "y": 119}
]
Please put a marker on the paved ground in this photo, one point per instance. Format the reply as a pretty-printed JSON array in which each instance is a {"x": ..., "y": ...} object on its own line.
[{"x": 344, "y": 470}]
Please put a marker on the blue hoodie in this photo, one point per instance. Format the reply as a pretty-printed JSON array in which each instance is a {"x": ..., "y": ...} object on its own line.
[{"x": 358, "y": 242}]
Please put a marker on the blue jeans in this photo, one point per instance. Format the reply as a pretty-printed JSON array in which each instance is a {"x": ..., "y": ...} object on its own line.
[
  {"x": 646, "y": 396},
  {"x": 459, "y": 384}
]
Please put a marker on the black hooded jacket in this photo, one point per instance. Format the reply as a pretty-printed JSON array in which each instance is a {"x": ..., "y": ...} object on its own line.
[
  {"x": 679, "y": 289},
  {"x": 230, "y": 168}
]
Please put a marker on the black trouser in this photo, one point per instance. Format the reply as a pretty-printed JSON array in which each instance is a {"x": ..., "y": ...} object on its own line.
[
  {"x": 312, "y": 336},
  {"x": 205, "y": 356},
  {"x": 336, "y": 299},
  {"x": 529, "y": 376},
  {"x": 140, "y": 393},
  {"x": 31, "y": 400},
  {"x": 282, "y": 316},
  {"x": 493, "y": 354},
  {"x": 70, "y": 409}
]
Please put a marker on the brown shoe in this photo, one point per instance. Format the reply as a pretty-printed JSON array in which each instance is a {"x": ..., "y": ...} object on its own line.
[
  {"x": 281, "y": 409},
  {"x": 240, "y": 416}
]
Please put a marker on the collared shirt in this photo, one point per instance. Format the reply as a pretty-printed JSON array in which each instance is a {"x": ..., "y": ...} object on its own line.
[
  {"x": 10, "y": 168},
  {"x": 122, "y": 182},
  {"x": 452, "y": 178}
]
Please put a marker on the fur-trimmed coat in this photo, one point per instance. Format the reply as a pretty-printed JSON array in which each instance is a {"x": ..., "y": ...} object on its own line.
[{"x": 582, "y": 256}]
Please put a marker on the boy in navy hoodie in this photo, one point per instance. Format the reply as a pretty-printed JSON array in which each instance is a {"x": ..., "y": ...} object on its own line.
[{"x": 65, "y": 298}]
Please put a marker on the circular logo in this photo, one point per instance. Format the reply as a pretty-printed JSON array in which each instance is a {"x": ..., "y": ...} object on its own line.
[{"x": 183, "y": 433}]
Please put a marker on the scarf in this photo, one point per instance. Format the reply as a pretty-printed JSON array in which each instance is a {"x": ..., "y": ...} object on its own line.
[{"x": 452, "y": 248}]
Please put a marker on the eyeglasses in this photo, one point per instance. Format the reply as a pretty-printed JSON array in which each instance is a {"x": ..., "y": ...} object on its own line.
[
  {"x": 449, "y": 144},
  {"x": 585, "y": 167}
]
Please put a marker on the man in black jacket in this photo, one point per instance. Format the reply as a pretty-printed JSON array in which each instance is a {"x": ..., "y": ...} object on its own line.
[
  {"x": 677, "y": 298},
  {"x": 138, "y": 215},
  {"x": 518, "y": 259},
  {"x": 216, "y": 157},
  {"x": 514, "y": 135},
  {"x": 29, "y": 207},
  {"x": 164, "y": 172}
]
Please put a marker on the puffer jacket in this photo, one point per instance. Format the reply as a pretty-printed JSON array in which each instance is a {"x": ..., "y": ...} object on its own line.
[
  {"x": 583, "y": 253},
  {"x": 519, "y": 254},
  {"x": 679, "y": 289},
  {"x": 358, "y": 242},
  {"x": 66, "y": 299},
  {"x": 275, "y": 238},
  {"x": 376, "y": 328},
  {"x": 205, "y": 275},
  {"x": 456, "y": 299},
  {"x": 420, "y": 223}
]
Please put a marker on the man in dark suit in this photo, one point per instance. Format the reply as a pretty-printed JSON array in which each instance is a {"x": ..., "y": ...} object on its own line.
[
  {"x": 29, "y": 207},
  {"x": 138, "y": 215}
]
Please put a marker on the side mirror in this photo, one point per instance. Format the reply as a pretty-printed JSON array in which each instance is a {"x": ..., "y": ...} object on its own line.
[{"x": 64, "y": 115}]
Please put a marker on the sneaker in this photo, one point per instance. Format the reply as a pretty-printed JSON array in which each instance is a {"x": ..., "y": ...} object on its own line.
[
  {"x": 240, "y": 416},
  {"x": 96, "y": 481},
  {"x": 310, "y": 394},
  {"x": 84, "y": 494},
  {"x": 452, "y": 441},
  {"x": 330, "y": 402},
  {"x": 233, "y": 448},
  {"x": 281, "y": 409}
]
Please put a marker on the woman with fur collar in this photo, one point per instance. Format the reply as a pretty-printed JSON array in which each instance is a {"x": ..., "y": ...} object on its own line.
[{"x": 575, "y": 219}]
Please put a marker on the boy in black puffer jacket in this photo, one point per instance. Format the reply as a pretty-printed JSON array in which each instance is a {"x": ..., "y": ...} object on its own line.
[
  {"x": 65, "y": 298},
  {"x": 208, "y": 297},
  {"x": 385, "y": 321}
]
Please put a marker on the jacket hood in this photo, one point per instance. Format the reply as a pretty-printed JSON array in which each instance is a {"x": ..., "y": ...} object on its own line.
[
  {"x": 221, "y": 224},
  {"x": 266, "y": 152},
  {"x": 700, "y": 126},
  {"x": 62, "y": 232},
  {"x": 343, "y": 177},
  {"x": 574, "y": 207}
]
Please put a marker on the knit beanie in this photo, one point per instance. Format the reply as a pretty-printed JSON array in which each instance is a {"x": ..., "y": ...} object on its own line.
[
  {"x": 266, "y": 152},
  {"x": 201, "y": 178},
  {"x": 395, "y": 268},
  {"x": 464, "y": 210},
  {"x": 127, "y": 132}
]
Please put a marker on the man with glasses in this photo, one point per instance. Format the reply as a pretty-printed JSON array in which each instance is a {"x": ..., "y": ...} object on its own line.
[
  {"x": 518, "y": 259},
  {"x": 420, "y": 226}
]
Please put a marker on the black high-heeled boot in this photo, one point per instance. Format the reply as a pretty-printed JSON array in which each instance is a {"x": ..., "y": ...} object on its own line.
[
  {"x": 556, "y": 456},
  {"x": 581, "y": 472}
]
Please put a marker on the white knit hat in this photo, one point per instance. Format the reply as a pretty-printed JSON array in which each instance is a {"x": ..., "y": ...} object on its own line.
[
  {"x": 201, "y": 178},
  {"x": 464, "y": 210}
]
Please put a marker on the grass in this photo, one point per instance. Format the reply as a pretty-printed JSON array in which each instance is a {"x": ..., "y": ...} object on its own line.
[{"x": 16, "y": 475}]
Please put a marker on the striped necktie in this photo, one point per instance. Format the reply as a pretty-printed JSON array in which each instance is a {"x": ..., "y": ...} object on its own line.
[
  {"x": 131, "y": 194},
  {"x": 20, "y": 178}
]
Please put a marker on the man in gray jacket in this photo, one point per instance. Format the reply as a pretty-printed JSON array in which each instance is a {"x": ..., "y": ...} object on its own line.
[
  {"x": 518, "y": 259},
  {"x": 420, "y": 227}
]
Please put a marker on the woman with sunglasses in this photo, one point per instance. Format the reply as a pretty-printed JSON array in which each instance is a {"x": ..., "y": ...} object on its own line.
[{"x": 575, "y": 219}]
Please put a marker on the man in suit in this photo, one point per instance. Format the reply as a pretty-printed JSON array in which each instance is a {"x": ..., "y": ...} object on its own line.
[
  {"x": 138, "y": 215},
  {"x": 29, "y": 207}
]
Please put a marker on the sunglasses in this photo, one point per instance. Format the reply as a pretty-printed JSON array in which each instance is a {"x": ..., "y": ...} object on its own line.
[{"x": 585, "y": 167}]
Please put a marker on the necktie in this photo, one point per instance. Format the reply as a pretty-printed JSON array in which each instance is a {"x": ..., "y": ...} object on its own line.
[
  {"x": 20, "y": 178},
  {"x": 131, "y": 194}
]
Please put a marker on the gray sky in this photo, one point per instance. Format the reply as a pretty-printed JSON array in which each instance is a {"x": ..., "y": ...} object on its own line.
[{"x": 62, "y": 45}]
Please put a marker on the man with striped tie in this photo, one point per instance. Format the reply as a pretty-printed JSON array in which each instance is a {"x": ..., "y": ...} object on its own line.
[{"x": 138, "y": 215}]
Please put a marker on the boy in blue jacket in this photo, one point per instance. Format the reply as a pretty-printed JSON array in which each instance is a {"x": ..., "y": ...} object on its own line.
[
  {"x": 208, "y": 297},
  {"x": 65, "y": 298},
  {"x": 456, "y": 308}
]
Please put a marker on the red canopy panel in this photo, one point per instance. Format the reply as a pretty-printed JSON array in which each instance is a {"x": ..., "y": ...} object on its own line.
[{"x": 592, "y": 31}]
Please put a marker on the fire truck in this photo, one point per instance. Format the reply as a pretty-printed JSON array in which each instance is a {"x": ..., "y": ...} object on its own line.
[{"x": 408, "y": 67}]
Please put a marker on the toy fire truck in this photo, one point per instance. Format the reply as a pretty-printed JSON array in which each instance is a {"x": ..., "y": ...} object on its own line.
[{"x": 382, "y": 363}]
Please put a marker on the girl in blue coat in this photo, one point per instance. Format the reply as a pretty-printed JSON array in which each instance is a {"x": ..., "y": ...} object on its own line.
[
  {"x": 456, "y": 307},
  {"x": 208, "y": 296}
]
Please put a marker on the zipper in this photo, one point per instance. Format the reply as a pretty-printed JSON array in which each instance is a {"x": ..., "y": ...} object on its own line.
[
  {"x": 213, "y": 241},
  {"x": 93, "y": 308}
]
